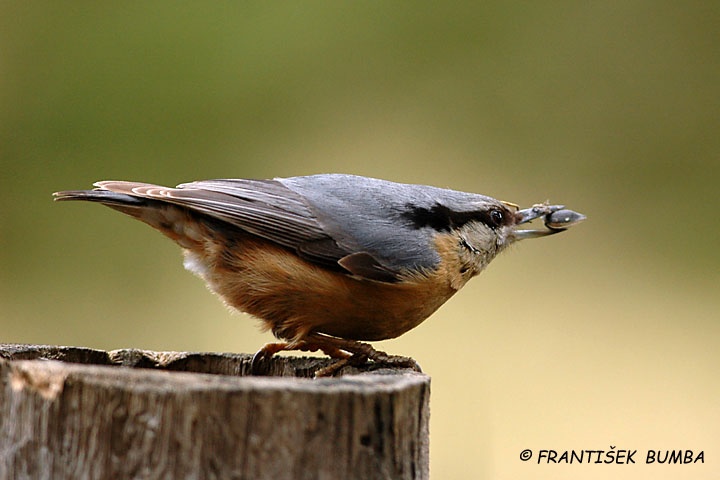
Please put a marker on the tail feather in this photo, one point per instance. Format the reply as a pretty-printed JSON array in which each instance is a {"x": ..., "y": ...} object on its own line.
[
  {"x": 134, "y": 206},
  {"x": 173, "y": 221},
  {"x": 101, "y": 196}
]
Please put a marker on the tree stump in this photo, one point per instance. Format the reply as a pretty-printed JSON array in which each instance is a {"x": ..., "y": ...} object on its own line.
[{"x": 79, "y": 413}]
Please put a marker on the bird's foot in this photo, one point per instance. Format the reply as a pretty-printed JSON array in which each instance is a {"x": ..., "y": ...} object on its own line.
[{"x": 346, "y": 352}]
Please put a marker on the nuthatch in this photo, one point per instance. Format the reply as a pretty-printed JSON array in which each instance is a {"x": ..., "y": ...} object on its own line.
[{"x": 326, "y": 261}]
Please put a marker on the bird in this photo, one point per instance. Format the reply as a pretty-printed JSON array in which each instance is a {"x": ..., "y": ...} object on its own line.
[{"x": 329, "y": 262}]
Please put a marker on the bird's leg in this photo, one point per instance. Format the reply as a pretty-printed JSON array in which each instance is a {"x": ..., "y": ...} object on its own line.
[
  {"x": 259, "y": 364},
  {"x": 360, "y": 354},
  {"x": 346, "y": 352}
]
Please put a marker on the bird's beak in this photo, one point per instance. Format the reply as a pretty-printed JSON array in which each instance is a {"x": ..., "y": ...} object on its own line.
[{"x": 556, "y": 218}]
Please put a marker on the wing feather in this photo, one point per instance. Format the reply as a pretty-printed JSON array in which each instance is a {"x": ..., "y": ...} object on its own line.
[{"x": 265, "y": 208}]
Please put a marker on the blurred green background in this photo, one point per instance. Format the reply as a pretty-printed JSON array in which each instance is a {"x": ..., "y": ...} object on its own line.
[{"x": 605, "y": 335}]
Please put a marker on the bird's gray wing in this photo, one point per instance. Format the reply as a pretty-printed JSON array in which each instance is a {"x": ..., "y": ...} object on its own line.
[{"x": 268, "y": 209}]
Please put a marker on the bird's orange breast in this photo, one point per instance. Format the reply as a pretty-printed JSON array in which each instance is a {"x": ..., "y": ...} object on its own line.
[{"x": 294, "y": 297}]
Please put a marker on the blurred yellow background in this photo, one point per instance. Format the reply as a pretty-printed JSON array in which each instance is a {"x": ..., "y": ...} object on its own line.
[{"x": 605, "y": 335}]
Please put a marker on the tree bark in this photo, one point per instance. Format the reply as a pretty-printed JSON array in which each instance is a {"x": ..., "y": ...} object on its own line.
[{"x": 76, "y": 413}]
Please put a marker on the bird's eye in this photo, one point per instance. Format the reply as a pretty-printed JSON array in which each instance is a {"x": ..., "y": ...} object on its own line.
[{"x": 497, "y": 217}]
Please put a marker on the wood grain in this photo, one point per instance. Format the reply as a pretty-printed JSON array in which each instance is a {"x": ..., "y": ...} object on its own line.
[{"x": 79, "y": 413}]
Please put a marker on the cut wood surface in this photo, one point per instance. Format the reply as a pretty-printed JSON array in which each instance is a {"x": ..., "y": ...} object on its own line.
[{"x": 68, "y": 412}]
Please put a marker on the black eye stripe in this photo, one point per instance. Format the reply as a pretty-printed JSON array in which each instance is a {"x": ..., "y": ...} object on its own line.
[{"x": 443, "y": 219}]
